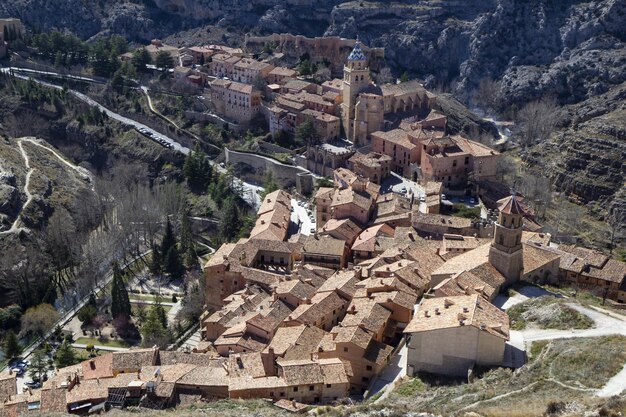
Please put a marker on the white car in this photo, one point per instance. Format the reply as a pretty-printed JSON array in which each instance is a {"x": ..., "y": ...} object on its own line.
[{"x": 422, "y": 198}]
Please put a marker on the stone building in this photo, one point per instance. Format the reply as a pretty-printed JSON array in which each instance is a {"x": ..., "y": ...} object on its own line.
[
  {"x": 451, "y": 335},
  {"x": 235, "y": 101}
]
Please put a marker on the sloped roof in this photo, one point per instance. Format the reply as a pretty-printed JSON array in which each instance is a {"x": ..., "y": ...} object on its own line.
[
  {"x": 511, "y": 205},
  {"x": 465, "y": 310}
]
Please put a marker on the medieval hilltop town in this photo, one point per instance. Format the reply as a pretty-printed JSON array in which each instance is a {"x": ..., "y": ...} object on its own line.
[{"x": 311, "y": 309}]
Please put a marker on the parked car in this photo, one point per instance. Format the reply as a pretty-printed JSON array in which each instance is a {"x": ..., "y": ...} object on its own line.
[
  {"x": 422, "y": 198},
  {"x": 443, "y": 196},
  {"x": 33, "y": 384},
  {"x": 472, "y": 201}
]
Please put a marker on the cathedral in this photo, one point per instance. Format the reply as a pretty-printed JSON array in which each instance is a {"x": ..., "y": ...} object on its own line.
[{"x": 368, "y": 108}]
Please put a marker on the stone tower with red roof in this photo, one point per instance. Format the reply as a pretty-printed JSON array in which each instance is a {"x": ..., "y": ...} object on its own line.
[{"x": 506, "y": 253}]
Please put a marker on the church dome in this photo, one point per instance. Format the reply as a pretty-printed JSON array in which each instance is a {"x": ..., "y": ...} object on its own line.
[{"x": 357, "y": 53}]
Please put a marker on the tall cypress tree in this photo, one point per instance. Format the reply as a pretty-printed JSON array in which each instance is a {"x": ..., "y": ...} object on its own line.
[
  {"x": 120, "y": 303},
  {"x": 169, "y": 240},
  {"x": 187, "y": 247},
  {"x": 12, "y": 347}
]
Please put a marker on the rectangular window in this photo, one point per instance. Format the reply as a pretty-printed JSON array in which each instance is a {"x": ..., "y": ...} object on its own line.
[
  {"x": 295, "y": 389},
  {"x": 311, "y": 387},
  {"x": 368, "y": 367}
]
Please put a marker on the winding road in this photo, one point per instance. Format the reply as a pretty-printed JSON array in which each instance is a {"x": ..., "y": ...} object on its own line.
[{"x": 251, "y": 193}]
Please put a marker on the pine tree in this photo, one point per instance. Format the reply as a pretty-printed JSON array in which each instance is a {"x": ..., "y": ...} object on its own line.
[
  {"x": 160, "y": 311},
  {"x": 173, "y": 265},
  {"x": 197, "y": 170},
  {"x": 38, "y": 365},
  {"x": 155, "y": 264},
  {"x": 65, "y": 356},
  {"x": 12, "y": 348},
  {"x": 169, "y": 240},
  {"x": 153, "y": 331},
  {"x": 229, "y": 226},
  {"x": 120, "y": 303},
  {"x": 187, "y": 247}
]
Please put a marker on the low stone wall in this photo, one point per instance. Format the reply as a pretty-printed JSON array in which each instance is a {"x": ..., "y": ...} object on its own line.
[{"x": 285, "y": 175}]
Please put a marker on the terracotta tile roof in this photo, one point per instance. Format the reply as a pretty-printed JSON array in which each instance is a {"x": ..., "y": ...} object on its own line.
[
  {"x": 275, "y": 199},
  {"x": 296, "y": 342},
  {"x": 466, "y": 310},
  {"x": 342, "y": 281},
  {"x": 511, "y": 205},
  {"x": 535, "y": 257},
  {"x": 344, "y": 229},
  {"x": 466, "y": 283},
  {"x": 170, "y": 357},
  {"x": 249, "y": 365},
  {"x": 321, "y": 308},
  {"x": 397, "y": 137},
  {"x": 297, "y": 85},
  {"x": 133, "y": 359},
  {"x": 347, "y": 196},
  {"x": 367, "y": 240},
  {"x": 247, "y": 383},
  {"x": 301, "y": 372},
  {"x": 98, "y": 367},
  {"x": 489, "y": 274},
  {"x": 325, "y": 245},
  {"x": 326, "y": 192},
  {"x": 402, "y": 88},
  {"x": 53, "y": 399},
  {"x": 205, "y": 376},
  {"x": 351, "y": 334},
  {"x": 8, "y": 386},
  {"x": 366, "y": 312},
  {"x": 441, "y": 220},
  {"x": 378, "y": 352},
  {"x": 465, "y": 261},
  {"x": 283, "y": 72}
]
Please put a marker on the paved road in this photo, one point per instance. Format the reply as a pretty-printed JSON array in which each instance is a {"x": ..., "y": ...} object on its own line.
[
  {"x": 250, "y": 192},
  {"x": 386, "y": 380},
  {"x": 300, "y": 216},
  {"x": 101, "y": 347}
]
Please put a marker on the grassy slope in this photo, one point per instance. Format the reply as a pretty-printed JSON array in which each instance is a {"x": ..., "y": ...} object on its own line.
[{"x": 547, "y": 313}]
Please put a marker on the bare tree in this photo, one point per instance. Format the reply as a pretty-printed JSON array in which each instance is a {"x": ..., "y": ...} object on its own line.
[
  {"x": 486, "y": 95},
  {"x": 536, "y": 121},
  {"x": 322, "y": 74},
  {"x": 384, "y": 76}
]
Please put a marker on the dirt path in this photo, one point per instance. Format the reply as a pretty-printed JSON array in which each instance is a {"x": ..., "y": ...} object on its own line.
[
  {"x": 29, "y": 197},
  {"x": 86, "y": 175}
]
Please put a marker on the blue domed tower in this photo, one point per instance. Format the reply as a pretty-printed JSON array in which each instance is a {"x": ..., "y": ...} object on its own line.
[{"x": 356, "y": 77}]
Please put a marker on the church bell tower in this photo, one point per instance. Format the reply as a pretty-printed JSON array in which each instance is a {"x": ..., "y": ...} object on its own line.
[
  {"x": 506, "y": 253},
  {"x": 356, "y": 77}
]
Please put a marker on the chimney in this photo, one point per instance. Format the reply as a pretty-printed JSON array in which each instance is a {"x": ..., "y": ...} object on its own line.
[
  {"x": 426, "y": 313},
  {"x": 437, "y": 312}
]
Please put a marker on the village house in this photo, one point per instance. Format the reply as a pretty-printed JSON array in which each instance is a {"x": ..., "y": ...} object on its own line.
[
  {"x": 592, "y": 270},
  {"x": 223, "y": 65},
  {"x": 451, "y": 335},
  {"x": 156, "y": 46},
  {"x": 372, "y": 165},
  {"x": 248, "y": 70},
  {"x": 235, "y": 101},
  {"x": 281, "y": 75}
]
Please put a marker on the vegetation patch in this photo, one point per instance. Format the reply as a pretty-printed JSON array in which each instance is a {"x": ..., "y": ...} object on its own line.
[
  {"x": 102, "y": 341},
  {"x": 567, "y": 370},
  {"x": 547, "y": 312},
  {"x": 410, "y": 387}
]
